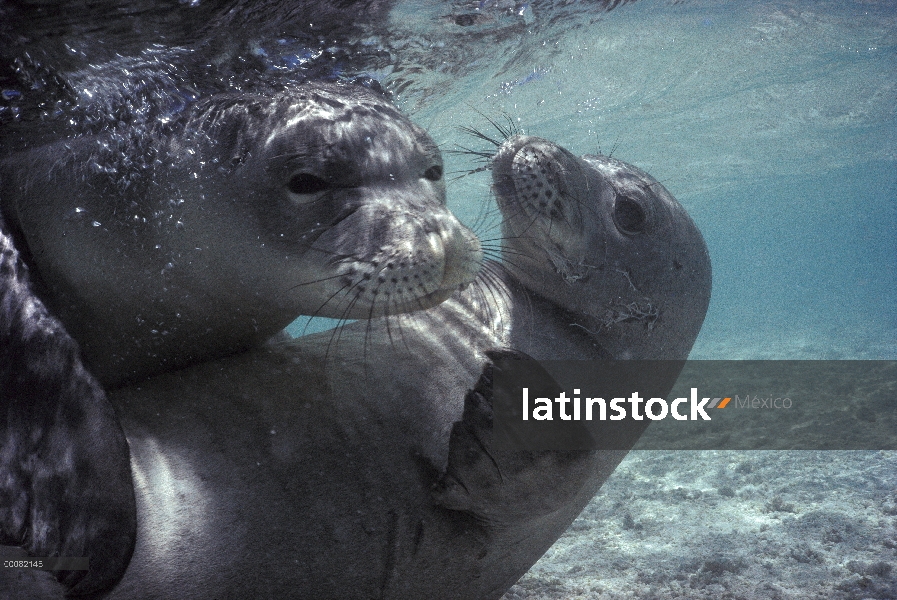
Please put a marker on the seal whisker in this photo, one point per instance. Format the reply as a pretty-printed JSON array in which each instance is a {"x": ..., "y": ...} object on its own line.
[
  {"x": 507, "y": 132},
  {"x": 313, "y": 282},
  {"x": 389, "y": 323},
  {"x": 493, "y": 281},
  {"x": 492, "y": 253},
  {"x": 503, "y": 248},
  {"x": 501, "y": 239},
  {"x": 533, "y": 224},
  {"x": 489, "y": 281},
  {"x": 359, "y": 291},
  {"x": 401, "y": 327},
  {"x": 338, "y": 331},
  {"x": 316, "y": 312},
  {"x": 367, "y": 335},
  {"x": 464, "y": 174},
  {"x": 510, "y": 256},
  {"x": 347, "y": 288},
  {"x": 613, "y": 148},
  {"x": 421, "y": 312},
  {"x": 505, "y": 251},
  {"x": 492, "y": 211},
  {"x": 487, "y": 222},
  {"x": 479, "y": 134},
  {"x": 483, "y": 155},
  {"x": 482, "y": 231},
  {"x": 481, "y": 223}
]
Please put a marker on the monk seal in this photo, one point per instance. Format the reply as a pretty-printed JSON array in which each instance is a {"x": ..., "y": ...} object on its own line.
[
  {"x": 159, "y": 247},
  {"x": 359, "y": 464},
  {"x": 200, "y": 240}
]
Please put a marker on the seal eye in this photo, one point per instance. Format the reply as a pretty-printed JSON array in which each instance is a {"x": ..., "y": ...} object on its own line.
[
  {"x": 629, "y": 216},
  {"x": 434, "y": 173},
  {"x": 306, "y": 183}
]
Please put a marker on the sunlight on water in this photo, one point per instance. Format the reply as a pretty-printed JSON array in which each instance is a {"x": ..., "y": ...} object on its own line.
[{"x": 773, "y": 124}]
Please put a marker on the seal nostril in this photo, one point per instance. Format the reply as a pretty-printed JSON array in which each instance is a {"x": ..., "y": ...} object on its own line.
[
  {"x": 629, "y": 216},
  {"x": 434, "y": 173}
]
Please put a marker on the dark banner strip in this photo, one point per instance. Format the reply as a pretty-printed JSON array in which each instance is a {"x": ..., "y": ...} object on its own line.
[{"x": 695, "y": 405}]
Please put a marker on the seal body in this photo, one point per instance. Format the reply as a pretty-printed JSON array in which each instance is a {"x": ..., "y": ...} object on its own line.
[
  {"x": 359, "y": 464},
  {"x": 171, "y": 243},
  {"x": 202, "y": 239}
]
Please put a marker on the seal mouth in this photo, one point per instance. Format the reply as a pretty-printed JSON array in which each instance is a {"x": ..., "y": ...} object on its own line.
[
  {"x": 454, "y": 252},
  {"x": 535, "y": 174},
  {"x": 503, "y": 175},
  {"x": 385, "y": 262}
]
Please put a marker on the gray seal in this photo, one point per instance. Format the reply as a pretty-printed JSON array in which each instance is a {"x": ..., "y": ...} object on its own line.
[
  {"x": 359, "y": 464},
  {"x": 171, "y": 245}
]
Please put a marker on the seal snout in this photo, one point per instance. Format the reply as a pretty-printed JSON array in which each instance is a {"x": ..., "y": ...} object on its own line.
[
  {"x": 538, "y": 177},
  {"x": 386, "y": 260},
  {"x": 545, "y": 196}
]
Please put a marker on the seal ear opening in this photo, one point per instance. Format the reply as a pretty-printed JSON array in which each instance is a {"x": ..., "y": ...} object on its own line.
[{"x": 304, "y": 184}]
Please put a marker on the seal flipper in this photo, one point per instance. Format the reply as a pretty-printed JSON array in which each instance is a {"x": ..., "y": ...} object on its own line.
[
  {"x": 65, "y": 476},
  {"x": 502, "y": 486}
]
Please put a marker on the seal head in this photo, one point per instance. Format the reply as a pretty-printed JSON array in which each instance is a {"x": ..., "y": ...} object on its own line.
[{"x": 607, "y": 242}]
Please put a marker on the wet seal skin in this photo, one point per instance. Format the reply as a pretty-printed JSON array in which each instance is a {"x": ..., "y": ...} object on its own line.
[
  {"x": 66, "y": 487},
  {"x": 163, "y": 247},
  {"x": 359, "y": 463}
]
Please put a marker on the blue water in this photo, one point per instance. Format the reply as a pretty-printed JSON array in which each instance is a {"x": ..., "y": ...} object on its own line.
[{"x": 775, "y": 125}]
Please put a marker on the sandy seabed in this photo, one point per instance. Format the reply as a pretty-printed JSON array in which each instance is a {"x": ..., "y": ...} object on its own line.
[
  {"x": 740, "y": 525},
  {"x": 731, "y": 524}
]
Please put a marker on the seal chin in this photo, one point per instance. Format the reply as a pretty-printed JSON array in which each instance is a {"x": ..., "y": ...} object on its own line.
[{"x": 463, "y": 260}]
